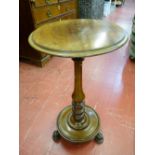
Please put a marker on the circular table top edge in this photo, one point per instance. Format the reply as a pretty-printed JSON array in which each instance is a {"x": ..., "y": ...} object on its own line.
[{"x": 81, "y": 53}]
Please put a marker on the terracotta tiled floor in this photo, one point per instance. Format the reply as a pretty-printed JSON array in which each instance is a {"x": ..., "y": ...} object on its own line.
[{"x": 109, "y": 88}]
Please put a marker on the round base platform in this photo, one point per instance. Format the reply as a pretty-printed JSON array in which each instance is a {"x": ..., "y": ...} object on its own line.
[{"x": 74, "y": 135}]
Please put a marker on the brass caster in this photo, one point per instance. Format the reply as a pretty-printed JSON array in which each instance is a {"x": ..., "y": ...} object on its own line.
[
  {"x": 99, "y": 138},
  {"x": 56, "y": 136}
]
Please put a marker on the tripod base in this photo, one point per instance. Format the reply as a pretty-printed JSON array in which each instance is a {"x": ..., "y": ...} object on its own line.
[{"x": 85, "y": 131}]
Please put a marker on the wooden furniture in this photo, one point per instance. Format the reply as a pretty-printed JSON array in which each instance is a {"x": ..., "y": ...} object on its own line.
[
  {"x": 78, "y": 39},
  {"x": 34, "y": 13}
]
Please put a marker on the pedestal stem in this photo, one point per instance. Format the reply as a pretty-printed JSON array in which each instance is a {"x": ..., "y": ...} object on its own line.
[
  {"x": 78, "y": 94},
  {"x": 78, "y": 123}
]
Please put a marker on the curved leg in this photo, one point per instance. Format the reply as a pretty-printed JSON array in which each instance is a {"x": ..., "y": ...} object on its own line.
[
  {"x": 99, "y": 138},
  {"x": 56, "y": 136}
]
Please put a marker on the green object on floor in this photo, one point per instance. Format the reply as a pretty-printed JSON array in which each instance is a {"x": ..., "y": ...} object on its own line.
[
  {"x": 119, "y": 2},
  {"x": 132, "y": 41}
]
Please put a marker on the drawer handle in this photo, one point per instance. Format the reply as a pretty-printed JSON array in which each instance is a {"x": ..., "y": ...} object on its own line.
[
  {"x": 58, "y": 7},
  {"x": 49, "y": 14},
  {"x": 67, "y": 9}
]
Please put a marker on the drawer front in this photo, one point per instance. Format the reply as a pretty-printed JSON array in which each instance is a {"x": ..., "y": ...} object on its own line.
[
  {"x": 45, "y": 13},
  {"x": 39, "y": 3},
  {"x": 66, "y": 7},
  {"x": 48, "y": 21}
]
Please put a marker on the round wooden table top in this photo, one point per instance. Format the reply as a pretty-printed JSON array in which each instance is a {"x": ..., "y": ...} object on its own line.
[{"x": 78, "y": 38}]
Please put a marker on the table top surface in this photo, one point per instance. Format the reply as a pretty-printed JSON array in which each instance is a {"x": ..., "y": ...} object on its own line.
[{"x": 78, "y": 38}]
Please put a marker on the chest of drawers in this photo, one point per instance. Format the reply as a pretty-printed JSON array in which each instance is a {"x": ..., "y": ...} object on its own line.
[
  {"x": 34, "y": 13},
  {"x": 48, "y": 10}
]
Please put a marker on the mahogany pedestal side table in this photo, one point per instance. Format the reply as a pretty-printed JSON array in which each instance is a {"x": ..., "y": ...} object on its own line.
[{"x": 77, "y": 39}]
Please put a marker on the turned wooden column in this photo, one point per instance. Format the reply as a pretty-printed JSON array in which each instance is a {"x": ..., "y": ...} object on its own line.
[{"x": 78, "y": 105}]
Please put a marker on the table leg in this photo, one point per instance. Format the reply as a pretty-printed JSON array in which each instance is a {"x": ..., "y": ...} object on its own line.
[{"x": 78, "y": 123}]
